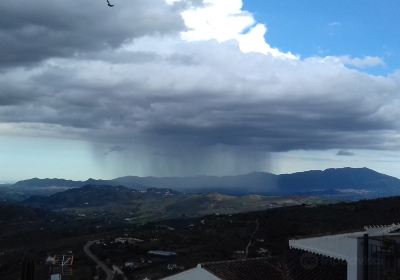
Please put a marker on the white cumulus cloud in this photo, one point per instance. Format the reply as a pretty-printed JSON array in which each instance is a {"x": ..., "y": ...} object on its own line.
[{"x": 225, "y": 20}]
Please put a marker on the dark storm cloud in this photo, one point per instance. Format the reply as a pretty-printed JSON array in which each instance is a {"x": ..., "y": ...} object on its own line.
[
  {"x": 31, "y": 31},
  {"x": 175, "y": 97},
  {"x": 168, "y": 104}
]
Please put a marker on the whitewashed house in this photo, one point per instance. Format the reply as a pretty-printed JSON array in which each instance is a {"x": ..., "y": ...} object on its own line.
[{"x": 371, "y": 254}]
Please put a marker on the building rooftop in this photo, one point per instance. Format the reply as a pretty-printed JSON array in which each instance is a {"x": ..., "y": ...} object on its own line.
[
  {"x": 254, "y": 269},
  {"x": 341, "y": 246}
]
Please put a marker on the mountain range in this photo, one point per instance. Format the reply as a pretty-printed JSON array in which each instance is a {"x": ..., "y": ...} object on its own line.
[
  {"x": 143, "y": 199},
  {"x": 362, "y": 181}
]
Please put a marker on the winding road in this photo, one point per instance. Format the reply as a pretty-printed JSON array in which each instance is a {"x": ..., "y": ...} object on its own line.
[
  {"x": 252, "y": 238},
  {"x": 99, "y": 263}
]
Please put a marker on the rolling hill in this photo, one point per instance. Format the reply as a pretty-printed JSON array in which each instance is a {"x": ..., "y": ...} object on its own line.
[
  {"x": 121, "y": 203},
  {"x": 97, "y": 196}
]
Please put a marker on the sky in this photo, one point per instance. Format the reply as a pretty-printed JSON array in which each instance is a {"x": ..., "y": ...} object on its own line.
[
  {"x": 356, "y": 28},
  {"x": 191, "y": 87}
]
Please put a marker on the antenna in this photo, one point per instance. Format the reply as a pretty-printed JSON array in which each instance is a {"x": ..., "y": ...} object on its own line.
[{"x": 61, "y": 266}]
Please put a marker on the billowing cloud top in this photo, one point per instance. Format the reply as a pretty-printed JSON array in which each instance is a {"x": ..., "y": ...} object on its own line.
[
  {"x": 225, "y": 20},
  {"x": 171, "y": 76}
]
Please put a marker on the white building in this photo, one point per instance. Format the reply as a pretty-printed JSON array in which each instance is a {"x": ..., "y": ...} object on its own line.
[
  {"x": 354, "y": 248},
  {"x": 246, "y": 269},
  {"x": 197, "y": 273}
]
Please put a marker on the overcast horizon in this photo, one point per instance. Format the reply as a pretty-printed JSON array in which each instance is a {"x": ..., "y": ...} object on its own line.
[{"x": 190, "y": 87}]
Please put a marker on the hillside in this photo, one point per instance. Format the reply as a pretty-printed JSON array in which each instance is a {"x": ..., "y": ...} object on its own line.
[
  {"x": 259, "y": 182},
  {"x": 196, "y": 240},
  {"x": 12, "y": 212},
  {"x": 97, "y": 196},
  {"x": 129, "y": 204},
  {"x": 341, "y": 179}
]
